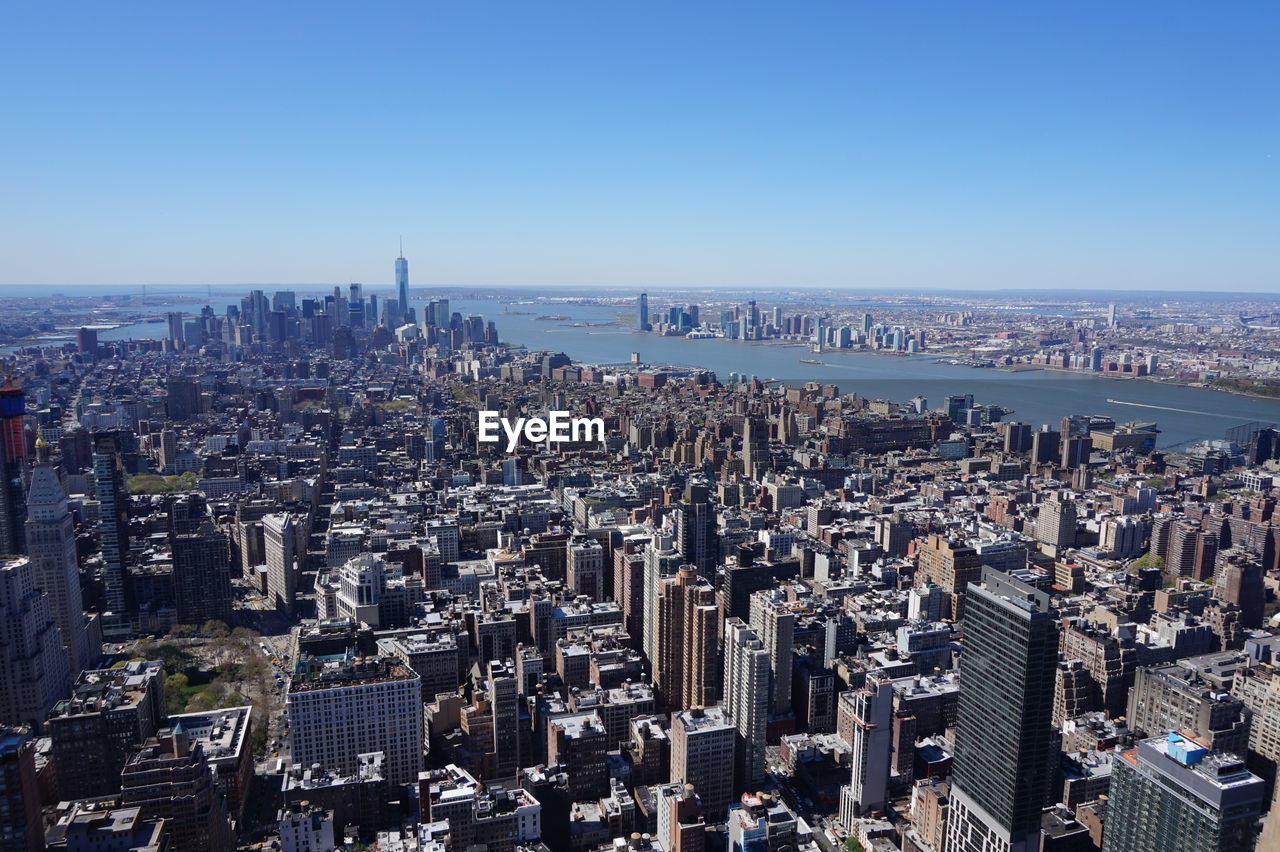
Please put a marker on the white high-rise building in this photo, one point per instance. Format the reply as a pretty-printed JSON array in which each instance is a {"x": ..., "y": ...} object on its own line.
[
  {"x": 341, "y": 707},
  {"x": 776, "y": 625},
  {"x": 660, "y": 560},
  {"x": 360, "y": 585},
  {"x": 1122, "y": 536},
  {"x": 872, "y": 745},
  {"x": 747, "y": 670}
]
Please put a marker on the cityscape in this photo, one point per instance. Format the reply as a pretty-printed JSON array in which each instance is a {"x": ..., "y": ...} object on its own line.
[
  {"x": 578, "y": 427},
  {"x": 266, "y": 565}
]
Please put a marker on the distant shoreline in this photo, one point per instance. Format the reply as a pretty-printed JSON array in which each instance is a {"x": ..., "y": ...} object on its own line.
[{"x": 1013, "y": 368}]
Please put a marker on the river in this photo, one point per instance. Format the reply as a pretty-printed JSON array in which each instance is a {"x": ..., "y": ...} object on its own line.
[{"x": 1184, "y": 414}]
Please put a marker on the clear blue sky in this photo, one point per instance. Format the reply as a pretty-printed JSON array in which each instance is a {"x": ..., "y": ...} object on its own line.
[{"x": 1131, "y": 145}]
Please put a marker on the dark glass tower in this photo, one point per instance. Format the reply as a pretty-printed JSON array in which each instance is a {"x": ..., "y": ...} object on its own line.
[
  {"x": 202, "y": 575},
  {"x": 113, "y": 531},
  {"x": 1004, "y": 741},
  {"x": 696, "y": 535}
]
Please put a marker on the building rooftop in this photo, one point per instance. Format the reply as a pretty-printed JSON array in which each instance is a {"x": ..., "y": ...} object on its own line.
[
  {"x": 101, "y": 690},
  {"x": 1217, "y": 778},
  {"x": 423, "y": 643},
  {"x": 701, "y": 720},
  {"x": 579, "y": 724},
  {"x": 369, "y": 768},
  {"x": 334, "y": 671},
  {"x": 220, "y": 733}
]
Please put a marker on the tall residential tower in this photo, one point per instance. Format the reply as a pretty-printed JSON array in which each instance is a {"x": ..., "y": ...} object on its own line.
[{"x": 746, "y": 697}]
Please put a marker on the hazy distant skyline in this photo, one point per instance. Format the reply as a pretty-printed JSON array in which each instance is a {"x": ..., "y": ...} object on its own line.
[{"x": 662, "y": 145}]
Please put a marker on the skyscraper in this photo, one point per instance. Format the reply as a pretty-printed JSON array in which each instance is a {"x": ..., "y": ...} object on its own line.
[
  {"x": 696, "y": 534},
  {"x": 1172, "y": 793},
  {"x": 278, "y": 536},
  {"x": 579, "y": 741},
  {"x": 1056, "y": 524},
  {"x": 1045, "y": 445},
  {"x": 642, "y": 322},
  {"x": 893, "y": 533},
  {"x": 1193, "y": 549},
  {"x": 951, "y": 565},
  {"x": 775, "y": 623},
  {"x": 1174, "y": 697},
  {"x": 34, "y": 671},
  {"x": 402, "y": 284},
  {"x": 376, "y": 704},
  {"x": 176, "y": 338},
  {"x": 13, "y": 456},
  {"x": 51, "y": 545},
  {"x": 504, "y": 700},
  {"x": 113, "y": 533},
  {"x": 746, "y": 698},
  {"x": 685, "y": 671},
  {"x": 681, "y": 826},
  {"x": 87, "y": 343},
  {"x": 660, "y": 561},
  {"x": 182, "y": 397},
  {"x": 702, "y": 744},
  {"x": 868, "y": 788},
  {"x": 202, "y": 575},
  {"x": 1240, "y": 579},
  {"x": 755, "y": 447},
  {"x": 763, "y": 821},
  {"x": 1004, "y": 745},
  {"x": 1076, "y": 451}
]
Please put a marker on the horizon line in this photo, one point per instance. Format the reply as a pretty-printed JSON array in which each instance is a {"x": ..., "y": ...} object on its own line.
[{"x": 906, "y": 290}]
